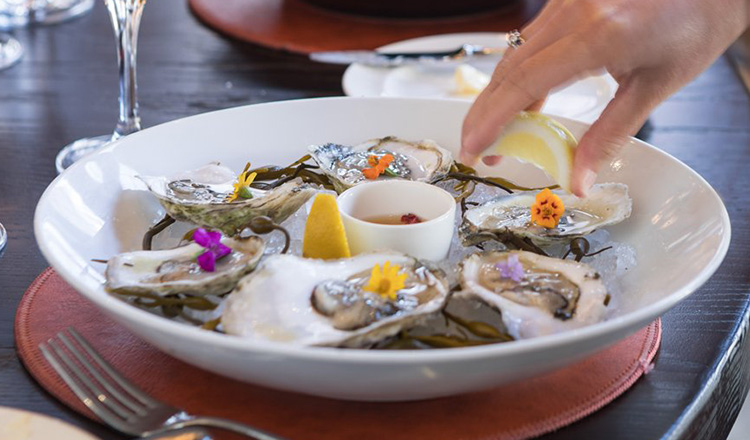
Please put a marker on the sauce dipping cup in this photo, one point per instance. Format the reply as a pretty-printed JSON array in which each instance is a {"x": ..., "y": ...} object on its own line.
[{"x": 430, "y": 239}]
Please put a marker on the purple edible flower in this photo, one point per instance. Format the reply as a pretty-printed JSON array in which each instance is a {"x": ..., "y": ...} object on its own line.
[
  {"x": 511, "y": 268},
  {"x": 211, "y": 240}
]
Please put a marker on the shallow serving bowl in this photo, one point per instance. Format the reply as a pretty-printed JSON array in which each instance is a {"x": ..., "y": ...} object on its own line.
[{"x": 96, "y": 209}]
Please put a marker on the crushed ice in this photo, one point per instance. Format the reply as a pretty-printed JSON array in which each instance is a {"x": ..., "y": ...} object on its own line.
[{"x": 612, "y": 264}]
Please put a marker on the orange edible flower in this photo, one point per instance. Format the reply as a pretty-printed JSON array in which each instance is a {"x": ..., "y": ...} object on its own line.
[
  {"x": 371, "y": 173},
  {"x": 547, "y": 209},
  {"x": 377, "y": 165}
]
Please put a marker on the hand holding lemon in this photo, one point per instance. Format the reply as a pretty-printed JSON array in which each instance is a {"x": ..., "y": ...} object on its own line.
[
  {"x": 539, "y": 140},
  {"x": 651, "y": 48}
]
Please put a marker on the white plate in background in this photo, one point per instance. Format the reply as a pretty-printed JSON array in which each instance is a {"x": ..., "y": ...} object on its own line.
[
  {"x": 17, "y": 424},
  {"x": 583, "y": 100}
]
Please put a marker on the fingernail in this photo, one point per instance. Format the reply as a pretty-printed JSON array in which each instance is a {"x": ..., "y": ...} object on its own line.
[
  {"x": 589, "y": 177},
  {"x": 467, "y": 148},
  {"x": 468, "y": 158}
]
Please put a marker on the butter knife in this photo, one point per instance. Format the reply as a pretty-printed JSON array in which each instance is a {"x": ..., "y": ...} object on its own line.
[{"x": 391, "y": 59}]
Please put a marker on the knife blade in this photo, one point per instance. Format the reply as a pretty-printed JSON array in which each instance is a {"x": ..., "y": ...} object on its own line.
[{"x": 390, "y": 59}]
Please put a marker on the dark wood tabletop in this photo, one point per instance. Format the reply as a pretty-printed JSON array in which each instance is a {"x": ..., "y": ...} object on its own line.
[{"x": 65, "y": 88}]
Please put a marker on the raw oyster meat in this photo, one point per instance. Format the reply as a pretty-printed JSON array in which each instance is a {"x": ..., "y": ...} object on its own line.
[
  {"x": 553, "y": 295},
  {"x": 199, "y": 197},
  {"x": 605, "y": 205},
  {"x": 422, "y": 160},
  {"x": 176, "y": 270},
  {"x": 307, "y": 302}
]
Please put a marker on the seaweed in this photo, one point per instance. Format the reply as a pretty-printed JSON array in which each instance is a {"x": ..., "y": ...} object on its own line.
[
  {"x": 270, "y": 177},
  {"x": 580, "y": 247},
  {"x": 148, "y": 237},
  {"x": 264, "y": 225}
]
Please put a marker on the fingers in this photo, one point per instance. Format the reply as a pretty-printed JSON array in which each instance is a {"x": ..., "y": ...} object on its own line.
[
  {"x": 536, "y": 105},
  {"x": 545, "y": 17},
  {"x": 521, "y": 85},
  {"x": 542, "y": 31},
  {"x": 624, "y": 115}
]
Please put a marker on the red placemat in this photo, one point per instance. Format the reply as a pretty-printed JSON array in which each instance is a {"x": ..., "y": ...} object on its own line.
[
  {"x": 521, "y": 410},
  {"x": 299, "y": 27}
]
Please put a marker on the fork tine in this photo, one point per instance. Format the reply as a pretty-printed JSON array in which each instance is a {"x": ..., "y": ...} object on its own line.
[
  {"x": 135, "y": 406},
  {"x": 84, "y": 396},
  {"x": 117, "y": 377},
  {"x": 85, "y": 381}
]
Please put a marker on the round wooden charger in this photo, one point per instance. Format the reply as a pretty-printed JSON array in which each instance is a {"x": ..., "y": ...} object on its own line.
[
  {"x": 296, "y": 26},
  {"x": 520, "y": 410}
]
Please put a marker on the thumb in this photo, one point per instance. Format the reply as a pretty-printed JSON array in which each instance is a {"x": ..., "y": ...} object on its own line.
[{"x": 624, "y": 115}]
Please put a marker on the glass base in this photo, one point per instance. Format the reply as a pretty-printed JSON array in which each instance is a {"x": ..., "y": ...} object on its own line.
[
  {"x": 3, "y": 238},
  {"x": 44, "y": 12},
  {"x": 78, "y": 149},
  {"x": 10, "y": 51},
  {"x": 56, "y": 11}
]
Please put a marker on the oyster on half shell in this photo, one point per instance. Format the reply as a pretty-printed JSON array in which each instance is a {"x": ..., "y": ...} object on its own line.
[
  {"x": 421, "y": 160},
  {"x": 176, "y": 270},
  {"x": 307, "y": 302},
  {"x": 553, "y": 295},
  {"x": 199, "y": 197},
  {"x": 605, "y": 205}
]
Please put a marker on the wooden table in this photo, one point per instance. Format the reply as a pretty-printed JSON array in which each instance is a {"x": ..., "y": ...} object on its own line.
[{"x": 66, "y": 88}]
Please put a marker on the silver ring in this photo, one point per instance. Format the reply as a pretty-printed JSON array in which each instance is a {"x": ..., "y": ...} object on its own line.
[{"x": 514, "y": 39}]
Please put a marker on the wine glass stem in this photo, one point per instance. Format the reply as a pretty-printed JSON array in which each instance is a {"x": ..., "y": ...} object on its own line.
[{"x": 126, "y": 17}]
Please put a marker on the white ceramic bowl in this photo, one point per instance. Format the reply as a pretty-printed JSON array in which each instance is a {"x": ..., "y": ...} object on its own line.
[
  {"x": 430, "y": 239},
  {"x": 679, "y": 229}
]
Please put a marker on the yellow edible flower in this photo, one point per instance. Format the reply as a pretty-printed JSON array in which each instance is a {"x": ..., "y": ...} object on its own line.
[
  {"x": 386, "y": 281},
  {"x": 242, "y": 186},
  {"x": 547, "y": 209}
]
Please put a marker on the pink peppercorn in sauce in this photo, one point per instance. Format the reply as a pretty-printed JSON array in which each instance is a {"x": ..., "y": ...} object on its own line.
[{"x": 395, "y": 219}]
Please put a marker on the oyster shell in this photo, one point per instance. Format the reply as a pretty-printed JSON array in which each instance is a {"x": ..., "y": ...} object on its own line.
[
  {"x": 605, "y": 205},
  {"x": 315, "y": 302},
  {"x": 176, "y": 270},
  {"x": 422, "y": 160},
  {"x": 199, "y": 197},
  {"x": 553, "y": 295}
]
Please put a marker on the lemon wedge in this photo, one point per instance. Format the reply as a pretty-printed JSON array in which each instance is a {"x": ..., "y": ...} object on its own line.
[
  {"x": 325, "y": 236},
  {"x": 541, "y": 141},
  {"x": 470, "y": 80}
]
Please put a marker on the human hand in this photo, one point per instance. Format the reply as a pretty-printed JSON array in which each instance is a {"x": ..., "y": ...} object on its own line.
[{"x": 651, "y": 48}]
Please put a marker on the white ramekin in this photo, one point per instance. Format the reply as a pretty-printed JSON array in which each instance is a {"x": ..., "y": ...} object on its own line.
[{"x": 430, "y": 239}]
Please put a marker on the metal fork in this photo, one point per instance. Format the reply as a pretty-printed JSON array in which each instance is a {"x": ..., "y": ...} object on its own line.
[{"x": 118, "y": 402}]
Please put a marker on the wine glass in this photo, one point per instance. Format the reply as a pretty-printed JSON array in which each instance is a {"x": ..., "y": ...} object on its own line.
[
  {"x": 126, "y": 17},
  {"x": 10, "y": 52},
  {"x": 17, "y": 13}
]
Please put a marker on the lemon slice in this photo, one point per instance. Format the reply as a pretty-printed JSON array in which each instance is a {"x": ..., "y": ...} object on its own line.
[
  {"x": 470, "y": 80},
  {"x": 325, "y": 236},
  {"x": 539, "y": 140}
]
